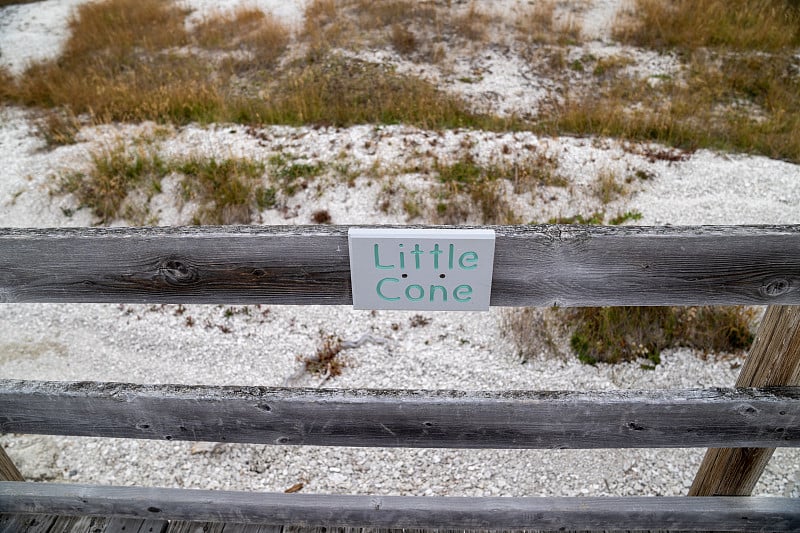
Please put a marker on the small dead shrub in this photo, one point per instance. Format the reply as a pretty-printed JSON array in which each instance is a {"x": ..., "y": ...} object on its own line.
[
  {"x": 403, "y": 40},
  {"x": 7, "y": 84},
  {"x": 533, "y": 331},
  {"x": 325, "y": 361},
  {"x": 321, "y": 216}
]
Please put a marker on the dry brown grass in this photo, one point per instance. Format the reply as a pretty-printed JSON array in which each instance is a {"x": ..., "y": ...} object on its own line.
[
  {"x": 119, "y": 64},
  {"x": 739, "y": 89},
  {"x": 341, "y": 92},
  {"x": 768, "y": 25},
  {"x": 538, "y": 24},
  {"x": 608, "y": 187},
  {"x": 418, "y": 30},
  {"x": 247, "y": 29},
  {"x": 533, "y": 331},
  {"x": 125, "y": 61},
  {"x": 731, "y": 102},
  {"x": 7, "y": 82}
]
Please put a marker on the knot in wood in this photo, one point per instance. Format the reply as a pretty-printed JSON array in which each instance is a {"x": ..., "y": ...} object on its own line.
[
  {"x": 176, "y": 271},
  {"x": 776, "y": 287}
]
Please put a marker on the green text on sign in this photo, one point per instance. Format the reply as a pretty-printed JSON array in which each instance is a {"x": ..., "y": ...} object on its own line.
[{"x": 421, "y": 269}]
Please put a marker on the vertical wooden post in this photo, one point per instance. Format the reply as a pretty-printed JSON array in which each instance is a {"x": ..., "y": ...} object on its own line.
[
  {"x": 8, "y": 472},
  {"x": 774, "y": 360}
]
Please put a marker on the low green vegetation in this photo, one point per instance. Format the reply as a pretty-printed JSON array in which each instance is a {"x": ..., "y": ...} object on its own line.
[
  {"x": 229, "y": 191},
  {"x": 291, "y": 175},
  {"x": 620, "y": 334},
  {"x": 597, "y": 218},
  {"x": 468, "y": 186},
  {"x": 114, "y": 173},
  {"x": 122, "y": 179},
  {"x": 614, "y": 334}
]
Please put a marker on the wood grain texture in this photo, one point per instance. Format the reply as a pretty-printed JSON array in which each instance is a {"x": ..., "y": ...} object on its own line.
[
  {"x": 8, "y": 470},
  {"x": 534, "y": 265},
  {"x": 135, "y": 525},
  {"x": 773, "y": 361},
  {"x": 85, "y": 524},
  {"x": 257, "y": 528},
  {"x": 191, "y": 526},
  {"x": 678, "y": 513},
  {"x": 16, "y": 523},
  {"x": 450, "y": 419}
]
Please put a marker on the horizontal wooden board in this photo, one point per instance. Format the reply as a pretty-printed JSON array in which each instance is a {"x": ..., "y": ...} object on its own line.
[
  {"x": 441, "y": 419},
  {"x": 592, "y": 513},
  {"x": 534, "y": 265}
]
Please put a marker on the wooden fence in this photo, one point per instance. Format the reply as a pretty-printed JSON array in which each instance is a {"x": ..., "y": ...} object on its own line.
[{"x": 534, "y": 265}]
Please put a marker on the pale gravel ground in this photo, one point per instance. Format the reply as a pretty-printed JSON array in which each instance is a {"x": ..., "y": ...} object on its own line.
[{"x": 144, "y": 344}]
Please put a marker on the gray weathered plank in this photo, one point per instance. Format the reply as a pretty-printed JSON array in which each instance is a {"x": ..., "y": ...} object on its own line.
[
  {"x": 27, "y": 523},
  {"x": 534, "y": 265},
  {"x": 514, "y": 419},
  {"x": 257, "y": 528},
  {"x": 682, "y": 513},
  {"x": 80, "y": 524},
  {"x": 135, "y": 525},
  {"x": 191, "y": 526}
]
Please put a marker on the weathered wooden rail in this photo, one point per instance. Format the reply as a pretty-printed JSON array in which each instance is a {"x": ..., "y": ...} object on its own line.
[{"x": 534, "y": 265}]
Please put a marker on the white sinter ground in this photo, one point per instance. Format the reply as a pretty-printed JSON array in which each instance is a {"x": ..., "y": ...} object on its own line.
[{"x": 261, "y": 346}]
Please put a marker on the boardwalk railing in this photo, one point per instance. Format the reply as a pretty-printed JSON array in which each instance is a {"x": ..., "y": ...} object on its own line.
[{"x": 533, "y": 265}]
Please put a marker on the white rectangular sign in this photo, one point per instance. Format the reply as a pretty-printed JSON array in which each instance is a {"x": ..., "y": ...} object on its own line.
[{"x": 421, "y": 269}]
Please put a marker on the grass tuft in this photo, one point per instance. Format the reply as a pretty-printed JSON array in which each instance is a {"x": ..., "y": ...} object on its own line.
[
  {"x": 123, "y": 178},
  {"x": 615, "y": 334},
  {"x": 115, "y": 172},
  {"x": 229, "y": 191},
  {"x": 57, "y": 128},
  {"x": 538, "y": 24},
  {"x": 468, "y": 186},
  {"x": 261, "y": 35},
  {"x": 533, "y": 331}
]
